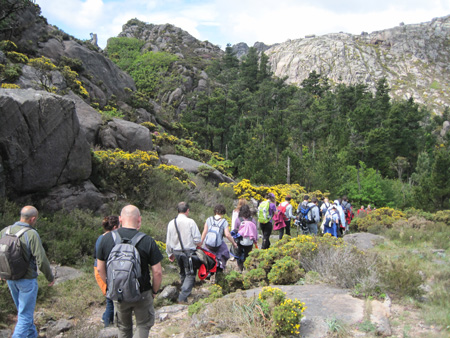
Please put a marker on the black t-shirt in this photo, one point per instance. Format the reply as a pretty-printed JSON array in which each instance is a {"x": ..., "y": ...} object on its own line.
[{"x": 147, "y": 248}]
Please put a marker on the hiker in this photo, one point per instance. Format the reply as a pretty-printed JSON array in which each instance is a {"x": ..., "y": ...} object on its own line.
[
  {"x": 362, "y": 211},
  {"x": 184, "y": 228},
  {"x": 342, "y": 224},
  {"x": 247, "y": 235},
  {"x": 235, "y": 215},
  {"x": 331, "y": 221},
  {"x": 109, "y": 223},
  {"x": 348, "y": 211},
  {"x": 216, "y": 227},
  {"x": 24, "y": 289},
  {"x": 286, "y": 208},
  {"x": 266, "y": 210},
  {"x": 308, "y": 215},
  {"x": 149, "y": 254},
  {"x": 325, "y": 206},
  {"x": 369, "y": 208}
]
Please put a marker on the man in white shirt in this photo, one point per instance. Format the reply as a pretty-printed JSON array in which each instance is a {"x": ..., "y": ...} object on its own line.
[{"x": 190, "y": 238}]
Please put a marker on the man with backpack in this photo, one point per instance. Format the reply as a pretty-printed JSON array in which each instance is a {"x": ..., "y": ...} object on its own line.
[
  {"x": 22, "y": 276},
  {"x": 308, "y": 215},
  {"x": 183, "y": 237},
  {"x": 123, "y": 259}
]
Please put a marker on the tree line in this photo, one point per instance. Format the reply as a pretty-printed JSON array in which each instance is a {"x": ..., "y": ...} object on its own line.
[{"x": 344, "y": 139}]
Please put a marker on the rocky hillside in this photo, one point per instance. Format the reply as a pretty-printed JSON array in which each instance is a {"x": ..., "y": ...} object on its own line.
[{"x": 415, "y": 60}]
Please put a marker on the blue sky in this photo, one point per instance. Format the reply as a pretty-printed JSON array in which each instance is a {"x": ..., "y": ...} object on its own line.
[{"x": 234, "y": 21}]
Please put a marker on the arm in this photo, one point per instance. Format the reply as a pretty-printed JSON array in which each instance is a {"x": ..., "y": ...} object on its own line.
[
  {"x": 205, "y": 231},
  {"x": 101, "y": 267},
  {"x": 228, "y": 235},
  {"x": 37, "y": 251},
  {"x": 157, "y": 277}
]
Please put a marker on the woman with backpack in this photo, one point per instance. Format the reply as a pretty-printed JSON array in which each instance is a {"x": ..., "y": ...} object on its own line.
[
  {"x": 109, "y": 224},
  {"x": 245, "y": 225},
  {"x": 235, "y": 215},
  {"x": 216, "y": 227},
  {"x": 266, "y": 210}
]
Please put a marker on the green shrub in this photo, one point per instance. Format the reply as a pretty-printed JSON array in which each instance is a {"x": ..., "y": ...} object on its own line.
[
  {"x": 254, "y": 277},
  {"x": 401, "y": 278},
  {"x": 285, "y": 271},
  {"x": 16, "y": 57},
  {"x": 74, "y": 64},
  {"x": 235, "y": 280}
]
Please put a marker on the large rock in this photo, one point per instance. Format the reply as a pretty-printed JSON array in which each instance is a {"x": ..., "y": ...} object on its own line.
[
  {"x": 101, "y": 77},
  {"x": 75, "y": 196},
  {"x": 41, "y": 142},
  {"x": 413, "y": 58},
  {"x": 90, "y": 119},
  {"x": 125, "y": 135},
  {"x": 193, "y": 166}
]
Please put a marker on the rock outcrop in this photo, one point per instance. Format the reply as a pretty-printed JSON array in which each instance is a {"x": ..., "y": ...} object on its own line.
[
  {"x": 41, "y": 142},
  {"x": 193, "y": 166},
  {"x": 415, "y": 60}
]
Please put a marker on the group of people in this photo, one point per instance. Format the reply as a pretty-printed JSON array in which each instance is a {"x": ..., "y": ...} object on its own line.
[
  {"x": 183, "y": 239},
  {"x": 333, "y": 217}
]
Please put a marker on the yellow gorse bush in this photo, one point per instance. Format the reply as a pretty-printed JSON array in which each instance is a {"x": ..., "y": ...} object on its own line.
[
  {"x": 246, "y": 190},
  {"x": 10, "y": 86}
]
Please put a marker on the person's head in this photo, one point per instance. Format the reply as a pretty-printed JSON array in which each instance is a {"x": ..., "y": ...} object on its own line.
[
  {"x": 271, "y": 197},
  {"x": 241, "y": 202},
  {"x": 368, "y": 207},
  {"x": 306, "y": 198},
  {"x": 362, "y": 207},
  {"x": 219, "y": 209},
  {"x": 345, "y": 198},
  {"x": 326, "y": 200},
  {"x": 314, "y": 200},
  {"x": 130, "y": 217},
  {"x": 183, "y": 208},
  {"x": 245, "y": 212},
  {"x": 288, "y": 198},
  {"x": 29, "y": 214},
  {"x": 110, "y": 223}
]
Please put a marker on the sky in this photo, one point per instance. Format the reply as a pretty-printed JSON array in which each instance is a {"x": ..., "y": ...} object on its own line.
[{"x": 233, "y": 21}]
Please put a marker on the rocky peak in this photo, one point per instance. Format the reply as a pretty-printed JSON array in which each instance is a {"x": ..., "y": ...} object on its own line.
[
  {"x": 169, "y": 38},
  {"x": 415, "y": 60},
  {"x": 241, "y": 49}
]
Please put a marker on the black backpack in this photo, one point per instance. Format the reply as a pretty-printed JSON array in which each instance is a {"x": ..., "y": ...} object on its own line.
[{"x": 13, "y": 265}]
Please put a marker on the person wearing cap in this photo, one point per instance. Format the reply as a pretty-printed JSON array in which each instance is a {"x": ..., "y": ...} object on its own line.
[
  {"x": 331, "y": 221},
  {"x": 286, "y": 205},
  {"x": 266, "y": 228}
]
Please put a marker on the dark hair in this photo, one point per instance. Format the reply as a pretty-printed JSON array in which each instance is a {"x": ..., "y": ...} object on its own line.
[
  {"x": 345, "y": 198},
  {"x": 314, "y": 200},
  {"x": 245, "y": 212},
  {"x": 109, "y": 222},
  {"x": 182, "y": 207},
  {"x": 306, "y": 197},
  {"x": 219, "y": 209}
]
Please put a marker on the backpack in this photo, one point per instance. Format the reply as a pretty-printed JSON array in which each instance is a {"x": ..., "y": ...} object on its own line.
[
  {"x": 278, "y": 221},
  {"x": 263, "y": 212},
  {"x": 13, "y": 265},
  {"x": 208, "y": 263},
  {"x": 282, "y": 209},
  {"x": 347, "y": 211},
  {"x": 214, "y": 236},
  {"x": 123, "y": 269},
  {"x": 305, "y": 215}
]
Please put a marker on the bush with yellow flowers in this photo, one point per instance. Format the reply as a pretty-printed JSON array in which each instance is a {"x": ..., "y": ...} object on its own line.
[
  {"x": 10, "y": 86},
  {"x": 245, "y": 189},
  {"x": 284, "y": 313},
  {"x": 285, "y": 271},
  {"x": 192, "y": 150},
  {"x": 383, "y": 217},
  {"x": 131, "y": 174}
]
